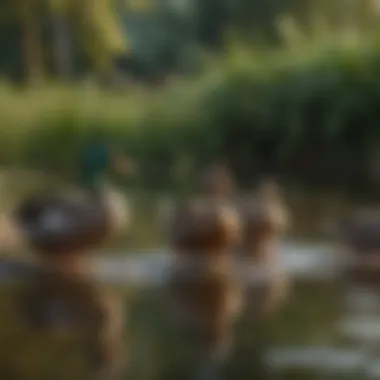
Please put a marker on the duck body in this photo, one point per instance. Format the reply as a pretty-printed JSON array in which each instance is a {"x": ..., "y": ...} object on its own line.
[
  {"x": 206, "y": 225},
  {"x": 203, "y": 228},
  {"x": 61, "y": 223}
]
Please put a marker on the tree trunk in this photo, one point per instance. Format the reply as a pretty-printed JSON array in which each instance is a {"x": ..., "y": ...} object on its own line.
[
  {"x": 31, "y": 42},
  {"x": 62, "y": 46}
]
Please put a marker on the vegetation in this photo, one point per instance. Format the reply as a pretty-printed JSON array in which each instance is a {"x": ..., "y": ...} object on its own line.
[
  {"x": 148, "y": 39},
  {"x": 266, "y": 90},
  {"x": 291, "y": 111}
]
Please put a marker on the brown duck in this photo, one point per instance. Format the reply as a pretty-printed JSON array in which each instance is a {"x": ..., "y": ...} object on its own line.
[
  {"x": 265, "y": 219},
  {"x": 202, "y": 234}
]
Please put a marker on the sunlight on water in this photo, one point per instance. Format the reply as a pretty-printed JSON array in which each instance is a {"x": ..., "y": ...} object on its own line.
[{"x": 298, "y": 260}]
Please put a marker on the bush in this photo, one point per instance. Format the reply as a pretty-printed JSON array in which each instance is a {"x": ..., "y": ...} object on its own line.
[{"x": 311, "y": 115}]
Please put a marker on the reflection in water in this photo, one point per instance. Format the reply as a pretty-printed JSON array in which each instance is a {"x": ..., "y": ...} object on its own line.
[
  {"x": 322, "y": 332},
  {"x": 321, "y": 318},
  {"x": 333, "y": 321},
  {"x": 316, "y": 315},
  {"x": 346, "y": 344},
  {"x": 309, "y": 319}
]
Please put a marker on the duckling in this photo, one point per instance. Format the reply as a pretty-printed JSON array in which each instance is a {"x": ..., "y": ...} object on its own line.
[
  {"x": 202, "y": 233},
  {"x": 265, "y": 219}
]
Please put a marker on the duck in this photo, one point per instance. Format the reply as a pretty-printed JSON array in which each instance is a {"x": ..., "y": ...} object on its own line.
[
  {"x": 202, "y": 233},
  {"x": 206, "y": 225},
  {"x": 204, "y": 228},
  {"x": 265, "y": 220},
  {"x": 56, "y": 294},
  {"x": 76, "y": 220}
]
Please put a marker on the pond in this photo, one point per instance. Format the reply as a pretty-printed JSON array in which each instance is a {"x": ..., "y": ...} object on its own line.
[
  {"x": 314, "y": 335},
  {"x": 309, "y": 338}
]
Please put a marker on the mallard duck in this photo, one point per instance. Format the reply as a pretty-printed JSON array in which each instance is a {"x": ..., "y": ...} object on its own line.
[
  {"x": 76, "y": 221},
  {"x": 264, "y": 219},
  {"x": 60, "y": 295}
]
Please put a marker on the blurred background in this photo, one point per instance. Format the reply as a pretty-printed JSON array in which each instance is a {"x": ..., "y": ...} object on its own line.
[{"x": 289, "y": 88}]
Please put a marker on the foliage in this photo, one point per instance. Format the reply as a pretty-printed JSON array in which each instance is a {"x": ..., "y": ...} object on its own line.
[
  {"x": 301, "y": 112},
  {"x": 154, "y": 37}
]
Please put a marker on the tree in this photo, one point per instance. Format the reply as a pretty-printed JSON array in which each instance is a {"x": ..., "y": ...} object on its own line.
[
  {"x": 28, "y": 18},
  {"x": 62, "y": 37}
]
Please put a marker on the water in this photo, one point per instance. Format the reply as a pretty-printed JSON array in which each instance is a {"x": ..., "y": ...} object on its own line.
[
  {"x": 324, "y": 330},
  {"x": 316, "y": 335},
  {"x": 151, "y": 266},
  {"x": 321, "y": 332}
]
